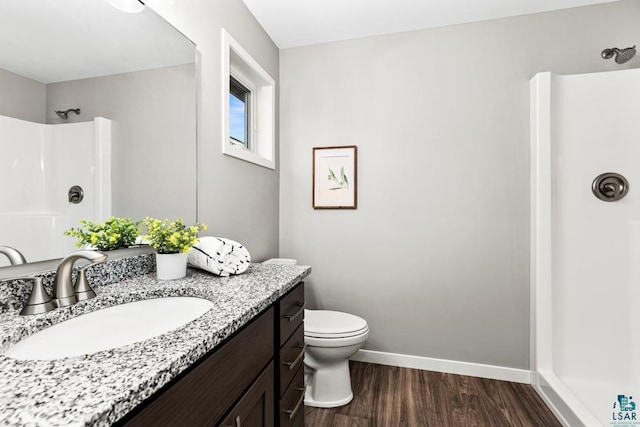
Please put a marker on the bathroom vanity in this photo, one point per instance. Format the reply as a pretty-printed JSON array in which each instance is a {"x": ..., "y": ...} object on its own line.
[
  {"x": 240, "y": 363},
  {"x": 243, "y": 377}
]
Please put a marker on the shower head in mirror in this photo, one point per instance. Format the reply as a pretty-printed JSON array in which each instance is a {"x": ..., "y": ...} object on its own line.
[
  {"x": 621, "y": 55},
  {"x": 65, "y": 114}
]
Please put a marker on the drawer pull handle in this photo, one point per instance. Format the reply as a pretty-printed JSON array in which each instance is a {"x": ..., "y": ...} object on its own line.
[
  {"x": 292, "y": 413},
  {"x": 238, "y": 423},
  {"x": 297, "y": 360},
  {"x": 295, "y": 315}
]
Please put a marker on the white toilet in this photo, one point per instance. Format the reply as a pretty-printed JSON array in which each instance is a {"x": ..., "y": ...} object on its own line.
[{"x": 331, "y": 337}]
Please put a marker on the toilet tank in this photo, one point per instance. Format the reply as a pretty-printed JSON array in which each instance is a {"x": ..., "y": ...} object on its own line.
[{"x": 282, "y": 261}]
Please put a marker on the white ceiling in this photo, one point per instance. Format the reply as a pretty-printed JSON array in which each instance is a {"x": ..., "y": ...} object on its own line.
[
  {"x": 292, "y": 23},
  {"x": 60, "y": 40}
]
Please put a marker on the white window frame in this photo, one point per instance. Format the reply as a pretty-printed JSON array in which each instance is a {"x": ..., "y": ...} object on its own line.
[{"x": 238, "y": 63}]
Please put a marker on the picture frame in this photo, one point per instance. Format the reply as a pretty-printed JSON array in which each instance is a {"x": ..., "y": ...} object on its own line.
[{"x": 335, "y": 177}]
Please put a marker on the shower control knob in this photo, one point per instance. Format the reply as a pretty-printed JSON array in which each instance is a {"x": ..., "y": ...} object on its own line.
[
  {"x": 76, "y": 194},
  {"x": 610, "y": 187}
]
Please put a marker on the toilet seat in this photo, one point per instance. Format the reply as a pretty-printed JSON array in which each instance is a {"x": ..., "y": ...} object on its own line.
[
  {"x": 336, "y": 342},
  {"x": 338, "y": 335},
  {"x": 333, "y": 325}
]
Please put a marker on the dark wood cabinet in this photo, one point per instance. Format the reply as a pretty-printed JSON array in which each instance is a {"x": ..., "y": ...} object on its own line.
[
  {"x": 289, "y": 357},
  {"x": 204, "y": 394},
  {"x": 290, "y": 312},
  {"x": 255, "y": 408},
  {"x": 291, "y": 405},
  {"x": 255, "y": 378}
]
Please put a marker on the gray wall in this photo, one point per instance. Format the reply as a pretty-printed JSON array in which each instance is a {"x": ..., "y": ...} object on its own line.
[
  {"x": 236, "y": 199},
  {"x": 153, "y": 136},
  {"x": 22, "y": 98},
  {"x": 436, "y": 255}
]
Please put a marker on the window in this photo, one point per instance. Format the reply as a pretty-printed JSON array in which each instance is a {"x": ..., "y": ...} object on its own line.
[
  {"x": 239, "y": 102},
  {"x": 249, "y": 107}
]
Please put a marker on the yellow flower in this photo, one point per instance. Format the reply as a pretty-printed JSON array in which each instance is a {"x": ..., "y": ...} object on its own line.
[{"x": 170, "y": 237}]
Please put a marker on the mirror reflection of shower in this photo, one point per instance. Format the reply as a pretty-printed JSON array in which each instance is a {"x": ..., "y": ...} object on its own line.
[
  {"x": 621, "y": 55},
  {"x": 65, "y": 114}
]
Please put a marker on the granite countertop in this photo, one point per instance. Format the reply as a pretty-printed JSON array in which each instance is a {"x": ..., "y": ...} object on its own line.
[{"x": 100, "y": 388}]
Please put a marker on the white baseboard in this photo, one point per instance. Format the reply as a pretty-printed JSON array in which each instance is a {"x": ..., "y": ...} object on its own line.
[{"x": 442, "y": 365}]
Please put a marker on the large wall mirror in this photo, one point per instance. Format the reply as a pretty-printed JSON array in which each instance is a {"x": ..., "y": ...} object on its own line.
[{"x": 64, "y": 63}]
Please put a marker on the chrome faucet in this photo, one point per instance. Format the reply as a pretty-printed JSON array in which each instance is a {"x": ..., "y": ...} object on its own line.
[
  {"x": 64, "y": 293},
  {"x": 14, "y": 255}
]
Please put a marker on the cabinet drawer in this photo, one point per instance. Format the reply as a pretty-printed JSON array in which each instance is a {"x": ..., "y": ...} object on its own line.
[
  {"x": 292, "y": 403},
  {"x": 291, "y": 358},
  {"x": 203, "y": 395},
  {"x": 291, "y": 312}
]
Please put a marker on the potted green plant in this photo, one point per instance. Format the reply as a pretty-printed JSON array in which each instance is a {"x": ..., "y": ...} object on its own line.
[
  {"x": 114, "y": 233},
  {"x": 172, "y": 241}
]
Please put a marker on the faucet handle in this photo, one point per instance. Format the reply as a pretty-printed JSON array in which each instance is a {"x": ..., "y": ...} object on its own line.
[
  {"x": 84, "y": 291},
  {"x": 39, "y": 301}
]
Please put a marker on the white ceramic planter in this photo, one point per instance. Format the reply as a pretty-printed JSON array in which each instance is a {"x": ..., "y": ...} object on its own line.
[{"x": 171, "y": 266}]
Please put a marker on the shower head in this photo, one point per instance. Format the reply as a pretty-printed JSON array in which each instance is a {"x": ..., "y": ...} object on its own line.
[
  {"x": 626, "y": 55},
  {"x": 65, "y": 114},
  {"x": 622, "y": 55}
]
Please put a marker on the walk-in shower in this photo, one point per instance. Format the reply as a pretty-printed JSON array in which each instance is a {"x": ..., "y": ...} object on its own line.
[{"x": 585, "y": 246}]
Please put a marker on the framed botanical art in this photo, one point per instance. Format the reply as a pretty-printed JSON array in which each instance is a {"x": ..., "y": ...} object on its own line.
[{"x": 335, "y": 177}]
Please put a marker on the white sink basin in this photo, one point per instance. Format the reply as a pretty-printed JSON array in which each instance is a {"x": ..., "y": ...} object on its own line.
[{"x": 109, "y": 328}]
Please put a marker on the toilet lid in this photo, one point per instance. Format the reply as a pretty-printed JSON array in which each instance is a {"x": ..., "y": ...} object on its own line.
[{"x": 333, "y": 324}]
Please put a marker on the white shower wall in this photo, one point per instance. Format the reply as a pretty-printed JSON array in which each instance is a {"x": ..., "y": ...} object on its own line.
[
  {"x": 585, "y": 252},
  {"x": 39, "y": 164}
]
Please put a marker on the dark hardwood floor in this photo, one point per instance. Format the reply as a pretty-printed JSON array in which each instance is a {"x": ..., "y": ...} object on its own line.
[{"x": 392, "y": 396}]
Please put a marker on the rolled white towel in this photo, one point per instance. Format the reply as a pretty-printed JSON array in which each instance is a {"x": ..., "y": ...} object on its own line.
[{"x": 219, "y": 256}]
